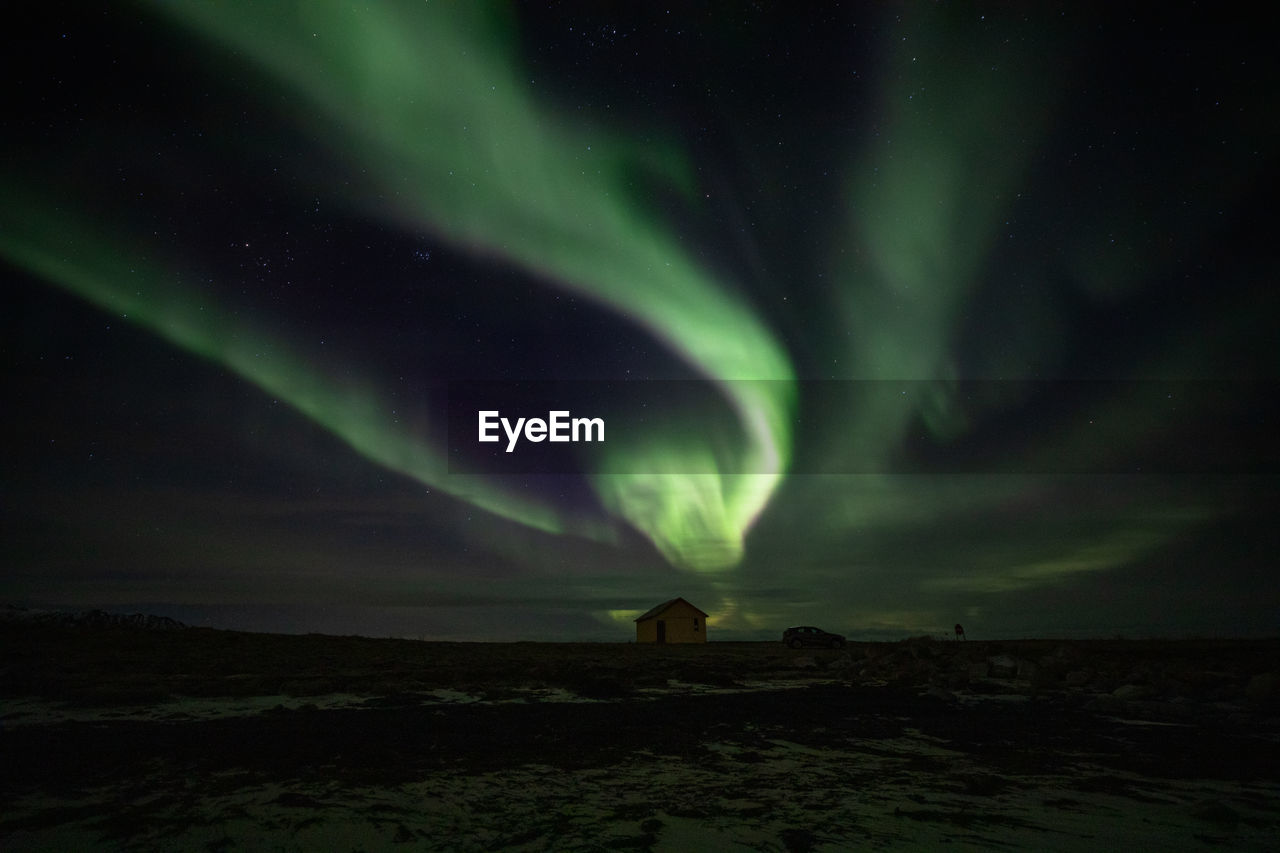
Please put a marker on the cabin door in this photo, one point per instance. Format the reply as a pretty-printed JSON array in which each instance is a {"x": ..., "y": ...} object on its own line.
[{"x": 662, "y": 631}]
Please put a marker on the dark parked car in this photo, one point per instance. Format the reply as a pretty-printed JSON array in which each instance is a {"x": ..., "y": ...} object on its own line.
[{"x": 807, "y": 635}]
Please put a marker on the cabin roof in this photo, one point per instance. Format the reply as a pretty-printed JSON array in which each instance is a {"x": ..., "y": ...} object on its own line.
[{"x": 657, "y": 611}]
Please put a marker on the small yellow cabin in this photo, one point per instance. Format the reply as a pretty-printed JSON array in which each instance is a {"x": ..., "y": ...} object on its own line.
[{"x": 674, "y": 621}]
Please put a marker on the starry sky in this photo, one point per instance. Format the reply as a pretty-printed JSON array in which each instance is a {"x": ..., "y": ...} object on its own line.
[{"x": 899, "y": 315}]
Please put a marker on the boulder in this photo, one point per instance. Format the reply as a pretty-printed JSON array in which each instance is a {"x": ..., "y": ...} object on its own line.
[
  {"x": 1131, "y": 692},
  {"x": 1263, "y": 687},
  {"x": 1066, "y": 653},
  {"x": 1105, "y": 704},
  {"x": 1002, "y": 666},
  {"x": 1214, "y": 811},
  {"x": 1077, "y": 678},
  {"x": 842, "y": 664},
  {"x": 940, "y": 693},
  {"x": 1044, "y": 678}
]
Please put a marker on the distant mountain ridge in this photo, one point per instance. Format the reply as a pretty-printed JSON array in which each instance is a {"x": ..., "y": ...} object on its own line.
[{"x": 89, "y": 619}]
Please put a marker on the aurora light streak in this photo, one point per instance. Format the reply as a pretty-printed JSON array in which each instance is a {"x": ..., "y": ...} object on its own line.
[
  {"x": 431, "y": 102},
  {"x": 132, "y": 286},
  {"x": 424, "y": 101}
]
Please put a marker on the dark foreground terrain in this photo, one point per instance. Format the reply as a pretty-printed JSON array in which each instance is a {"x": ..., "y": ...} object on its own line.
[{"x": 210, "y": 740}]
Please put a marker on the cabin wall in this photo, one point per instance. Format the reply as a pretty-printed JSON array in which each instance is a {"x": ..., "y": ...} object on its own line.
[
  {"x": 684, "y": 624},
  {"x": 680, "y": 629}
]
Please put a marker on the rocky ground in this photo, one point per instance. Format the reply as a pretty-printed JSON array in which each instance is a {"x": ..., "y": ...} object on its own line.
[{"x": 210, "y": 740}]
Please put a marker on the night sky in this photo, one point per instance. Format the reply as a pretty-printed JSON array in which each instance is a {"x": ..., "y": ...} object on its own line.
[{"x": 903, "y": 315}]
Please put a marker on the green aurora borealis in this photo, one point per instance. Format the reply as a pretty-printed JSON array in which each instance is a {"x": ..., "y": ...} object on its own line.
[
  {"x": 503, "y": 178},
  {"x": 962, "y": 220}
]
